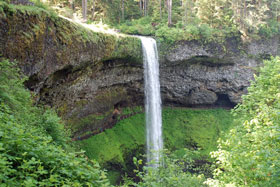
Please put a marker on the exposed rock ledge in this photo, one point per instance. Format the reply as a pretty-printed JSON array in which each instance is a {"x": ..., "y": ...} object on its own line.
[
  {"x": 212, "y": 74},
  {"x": 85, "y": 75}
]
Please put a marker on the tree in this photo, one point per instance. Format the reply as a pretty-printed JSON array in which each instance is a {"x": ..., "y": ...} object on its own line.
[
  {"x": 160, "y": 9},
  {"x": 145, "y": 7},
  {"x": 122, "y": 10},
  {"x": 93, "y": 9},
  {"x": 187, "y": 11},
  {"x": 216, "y": 13},
  {"x": 169, "y": 8},
  {"x": 84, "y": 9},
  {"x": 141, "y": 7},
  {"x": 156, "y": 10},
  {"x": 274, "y": 6},
  {"x": 72, "y": 5}
]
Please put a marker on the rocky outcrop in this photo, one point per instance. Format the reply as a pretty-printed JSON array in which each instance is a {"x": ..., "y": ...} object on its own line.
[
  {"x": 85, "y": 75},
  {"x": 46, "y": 45},
  {"x": 81, "y": 73},
  {"x": 196, "y": 74}
]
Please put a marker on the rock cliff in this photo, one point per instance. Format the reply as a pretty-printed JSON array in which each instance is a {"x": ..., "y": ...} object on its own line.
[
  {"x": 81, "y": 73},
  {"x": 212, "y": 74},
  {"x": 85, "y": 75}
]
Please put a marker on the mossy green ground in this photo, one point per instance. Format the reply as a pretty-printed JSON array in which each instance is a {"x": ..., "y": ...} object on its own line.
[{"x": 182, "y": 128}]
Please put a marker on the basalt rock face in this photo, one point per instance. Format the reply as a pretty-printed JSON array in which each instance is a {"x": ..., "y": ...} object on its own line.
[
  {"x": 81, "y": 73},
  {"x": 86, "y": 99},
  {"x": 195, "y": 74}
]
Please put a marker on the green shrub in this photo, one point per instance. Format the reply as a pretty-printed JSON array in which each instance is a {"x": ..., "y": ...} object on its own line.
[
  {"x": 170, "y": 35},
  {"x": 53, "y": 127},
  {"x": 141, "y": 26},
  {"x": 250, "y": 154},
  {"x": 171, "y": 172},
  {"x": 32, "y": 141},
  {"x": 269, "y": 29}
]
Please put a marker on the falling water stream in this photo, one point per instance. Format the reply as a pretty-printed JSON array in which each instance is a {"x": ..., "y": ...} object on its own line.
[{"x": 152, "y": 100}]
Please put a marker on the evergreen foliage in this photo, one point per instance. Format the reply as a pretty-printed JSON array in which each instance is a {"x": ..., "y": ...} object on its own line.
[
  {"x": 206, "y": 20},
  {"x": 201, "y": 19},
  {"x": 33, "y": 149}
]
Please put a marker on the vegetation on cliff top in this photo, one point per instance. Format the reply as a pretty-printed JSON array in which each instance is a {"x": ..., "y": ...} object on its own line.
[
  {"x": 43, "y": 23},
  {"x": 208, "y": 20}
]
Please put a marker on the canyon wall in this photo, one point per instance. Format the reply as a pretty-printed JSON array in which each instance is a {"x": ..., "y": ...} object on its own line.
[{"x": 86, "y": 75}]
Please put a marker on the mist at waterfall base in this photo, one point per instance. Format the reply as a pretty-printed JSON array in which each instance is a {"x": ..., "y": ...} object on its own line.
[{"x": 153, "y": 110}]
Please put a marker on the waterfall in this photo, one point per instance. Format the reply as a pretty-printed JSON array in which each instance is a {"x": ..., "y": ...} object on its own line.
[{"x": 152, "y": 100}]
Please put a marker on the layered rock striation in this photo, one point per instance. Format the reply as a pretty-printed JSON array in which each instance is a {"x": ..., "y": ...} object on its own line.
[{"x": 212, "y": 74}]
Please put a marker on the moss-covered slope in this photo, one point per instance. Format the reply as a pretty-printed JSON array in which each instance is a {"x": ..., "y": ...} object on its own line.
[
  {"x": 44, "y": 43},
  {"x": 182, "y": 128}
]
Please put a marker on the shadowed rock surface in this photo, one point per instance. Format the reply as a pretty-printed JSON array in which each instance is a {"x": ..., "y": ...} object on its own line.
[{"x": 196, "y": 74}]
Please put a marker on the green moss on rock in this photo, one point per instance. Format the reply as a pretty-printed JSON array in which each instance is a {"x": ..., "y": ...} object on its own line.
[
  {"x": 108, "y": 146},
  {"x": 182, "y": 128},
  {"x": 193, "y": 129},
  {"x": 45, "y": 38}
]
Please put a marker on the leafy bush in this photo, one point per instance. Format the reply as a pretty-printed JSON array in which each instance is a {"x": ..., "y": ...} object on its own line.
[
  {"x": 141, "y": 26},
  {"x": 269, "y": 29},
  {"x": 168, "y": 34},
  {"x": 192, "y": 31},
  {"x": 250, "y": 154},
  {"x": 31, "y": 152},
  {"x": 173, "y": 172},
  {"x": 52, "y": 125}
]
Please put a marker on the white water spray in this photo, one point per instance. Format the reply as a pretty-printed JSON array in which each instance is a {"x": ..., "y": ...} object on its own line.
[{"x": 152, "y": 100}]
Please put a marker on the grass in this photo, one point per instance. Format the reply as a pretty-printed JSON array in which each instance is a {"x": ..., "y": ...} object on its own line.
[
  {"x": 196, "y": 129},
  {"x": 110, "y": 146}
]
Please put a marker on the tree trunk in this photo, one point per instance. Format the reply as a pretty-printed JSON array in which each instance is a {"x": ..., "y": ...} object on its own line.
[
  {"x": 122, "y": 10},
  {"x": 160, "y": 10},
  {"x": 72, "y": 5},
  {"x": 185, "y": 8},
  {"x": 241, "y": 6},
  {"x": 244, "y": 15},
  {"x": 169, "y": 12},
  {"x": 145, "y": 7},
  {"x": 84, "y": 7},
  {"x": 146, "y": 2},
  {"x": 93, "y": 9},
  {"x": 239, "y": 12},
  {"x": 141, "y": 7},
  {"x": 277, "y": 16}
]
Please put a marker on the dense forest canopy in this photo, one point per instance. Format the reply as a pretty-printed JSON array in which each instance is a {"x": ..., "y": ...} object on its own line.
[{"x": 185, "y": 19}]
